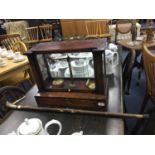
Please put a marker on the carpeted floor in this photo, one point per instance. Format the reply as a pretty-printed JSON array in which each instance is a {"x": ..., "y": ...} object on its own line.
[{"x": 134, "y": 100}]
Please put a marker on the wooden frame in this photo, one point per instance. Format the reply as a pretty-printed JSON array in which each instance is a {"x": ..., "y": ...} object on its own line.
[
  {"x": 8, "y": 40},
  {"x": 97, "y": 28},
  {"x": 19, "y": 46},
  {"x": 32, "y": 35},
  {"x": 46, "y": 32},
  {"x": 149, "y": 66},
  {"x": 122, "y": 21},
  {"x": 76, "y": 27}
]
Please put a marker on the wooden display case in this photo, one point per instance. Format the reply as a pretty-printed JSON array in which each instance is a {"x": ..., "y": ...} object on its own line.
[{"x": 70, "y": 74}]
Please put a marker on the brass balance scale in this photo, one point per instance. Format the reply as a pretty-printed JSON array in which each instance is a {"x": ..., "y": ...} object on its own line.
[{"x": 72, "y": 65}]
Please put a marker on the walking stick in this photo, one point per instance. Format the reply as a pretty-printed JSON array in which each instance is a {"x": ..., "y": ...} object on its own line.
[{"x": 75, "y": 111}]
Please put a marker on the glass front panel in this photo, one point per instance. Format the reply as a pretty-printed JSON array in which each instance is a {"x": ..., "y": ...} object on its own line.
[
  {"x": 42, "y": 66},
  {"x": 76, "y": 65},
  {"x": 67, "y": 71}
]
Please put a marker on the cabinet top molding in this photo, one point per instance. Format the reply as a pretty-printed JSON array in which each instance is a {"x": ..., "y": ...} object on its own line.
[{"x": 69, "y": 46}]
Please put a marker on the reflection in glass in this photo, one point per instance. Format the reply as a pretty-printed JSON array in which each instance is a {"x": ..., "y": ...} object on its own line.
[
  {"x": 67, "y": 71},
  {"x": 81, "y": 65}
]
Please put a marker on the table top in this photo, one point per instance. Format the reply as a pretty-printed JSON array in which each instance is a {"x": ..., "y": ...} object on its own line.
[
  {"x": 89, "y": 124},
  {"x": 12, "y": 66},
  {"x": 137, "y": 46}
]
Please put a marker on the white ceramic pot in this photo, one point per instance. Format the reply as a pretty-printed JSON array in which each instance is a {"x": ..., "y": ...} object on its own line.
[
  {"x": 34, "y": 126},
  {"x": 113, "y": 47},
  {"x": 4, "y": 53},
  {"x": 10, "y": 54},
  {"x": 78, "y": 133},
  {"x": 18, "y": 57},
  {"x": 0, "y": 49},
  {"x": 79, "y": 66},
  {"x": 2, "y": 62},
  {"x": 55, "y": 73},
  {"x": 111, "y": 61}
]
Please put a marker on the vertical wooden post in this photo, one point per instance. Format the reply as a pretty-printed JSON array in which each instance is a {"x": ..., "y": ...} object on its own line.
[
  {"x": 98, "y": 70},
  {"x": 36, "y": 71}
]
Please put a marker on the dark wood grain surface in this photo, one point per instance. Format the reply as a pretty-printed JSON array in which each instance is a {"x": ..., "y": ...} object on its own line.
[
  {"x": 89, "y": 124},
  {"x": 72, "y": 45}
]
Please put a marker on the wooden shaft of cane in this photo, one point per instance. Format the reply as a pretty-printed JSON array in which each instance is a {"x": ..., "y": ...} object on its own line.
[{"x": 78, "y": 111}]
